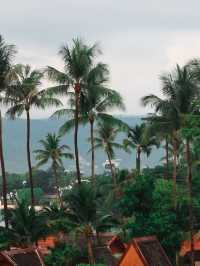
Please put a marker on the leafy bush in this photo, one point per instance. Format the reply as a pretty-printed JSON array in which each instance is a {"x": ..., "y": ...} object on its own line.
[
  {"x": 147, "y": 204},
  {"x": 24, "y": 194},
  {"x": 62, "y": 255}
]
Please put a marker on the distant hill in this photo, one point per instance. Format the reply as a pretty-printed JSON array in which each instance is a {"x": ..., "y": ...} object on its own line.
[{"x": 15, "y": 145}]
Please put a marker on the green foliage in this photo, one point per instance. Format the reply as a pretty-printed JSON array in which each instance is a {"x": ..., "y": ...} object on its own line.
[
  {"x": 27, "y": 226},
  {"x": 137, "y": 196},
  {"x": 57, "y": 219},
  {"x": 106, "y": 134},
  {"x": 24, "y": 195},
  {"x": 147, "y": 203},
  {"x": 52, "y": 150},
  {"x": 6, "y": 54},
  {"x": 44, "y": 180},
  {"x": 85, "y": 209},
  {"x": 25, "y": 91},
  {"x": 140, "y": 136},
  {"x": 91, "y": 264},
  {"x": 14, "y": 181},
  {"x": 63, "y": 255},
  {"x": 123, "y": 174}
]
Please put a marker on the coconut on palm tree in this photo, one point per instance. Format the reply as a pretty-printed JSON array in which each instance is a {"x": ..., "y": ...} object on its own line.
[
  {"x": 6, "y": 53},
  {"x": 55, "y": 152},
  {"x": 78, "y": 61},
  {"x": 140, "y": 139},
  {"x": 26, "y": 92}
]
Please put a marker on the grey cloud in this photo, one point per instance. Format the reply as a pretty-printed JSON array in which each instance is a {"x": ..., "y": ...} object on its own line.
[{"x": 140, "y": 39}]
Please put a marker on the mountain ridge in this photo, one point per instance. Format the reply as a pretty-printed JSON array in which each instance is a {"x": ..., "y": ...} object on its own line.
[{"x": 14, "y": 140}]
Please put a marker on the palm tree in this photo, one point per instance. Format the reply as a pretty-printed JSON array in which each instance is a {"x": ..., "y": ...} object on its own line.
[
  {"x": 95, "y": 100},
  {"x": 6, "y": 53},
  {"x": 27, "y": 226},
  {"x": 106, "y": 134},
  {"x": 162, "y": 130},
  {"x": 86, "y": 216},
  {"x": 78, "y": 61},
  {"x": 96, "y": 111},
  {"x": 139, "y": 138},
  {"x": 53, "y": 151},
  {"x": 25, "y": 90},
  {"x": 180, "y": 91}
]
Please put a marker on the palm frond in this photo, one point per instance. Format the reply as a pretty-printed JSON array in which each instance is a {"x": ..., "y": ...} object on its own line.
[
  {"x": 57, "y": 76},
  {"x": 63, "y": 112}
]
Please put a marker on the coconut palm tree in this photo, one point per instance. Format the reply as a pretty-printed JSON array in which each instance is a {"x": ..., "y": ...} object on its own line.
[
  {"x": 106, "y": 134},
  {"x": 95, "y": 100},
  {"x": 53, "y": 151},
  {"x": 140, "y": 139},
  {"x": 78, "y": 61},
  {"x": 180, "y": 92},
  {"x": 27, "y": 226},
  {"x": 6, "y": 54},
  {"x": 86, "y": 216},
  {"x": 160, "y": 128},
  {"x": 27, "y": 94},
  {"x": 95, "y": 110}
]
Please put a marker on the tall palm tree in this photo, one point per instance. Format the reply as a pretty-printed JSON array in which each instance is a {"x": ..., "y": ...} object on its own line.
[
  {"x": 6, "y": 54},
  {"x": 96, "y": 111},
  {"x": 193, "y": 68},
  {"x": 27, "y": 94},
  {"x": 140, "y": 139},
  {"x": 106, "y": 134},
  {"x": 180, "y": 91},
  {"x": 95, "y": 100},
  {"x": 78, "y": 61},
  {"x": 53, "y": 151}
]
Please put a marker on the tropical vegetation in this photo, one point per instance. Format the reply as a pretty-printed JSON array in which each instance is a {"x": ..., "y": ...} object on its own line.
[{"x": 80, "y": 208}]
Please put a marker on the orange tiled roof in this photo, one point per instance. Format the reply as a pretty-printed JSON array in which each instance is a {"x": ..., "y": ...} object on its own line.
[
  {"x": 116, "y": 245},
  {"x": 186, "y": 245},
  {"x": 45, "y": 244}
]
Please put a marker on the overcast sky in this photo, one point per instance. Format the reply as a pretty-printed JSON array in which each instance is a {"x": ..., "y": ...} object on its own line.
[{"x": 139, "y": 39}]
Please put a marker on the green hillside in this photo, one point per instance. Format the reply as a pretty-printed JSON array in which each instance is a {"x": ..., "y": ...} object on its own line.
[{"x": 15, "y": 144}]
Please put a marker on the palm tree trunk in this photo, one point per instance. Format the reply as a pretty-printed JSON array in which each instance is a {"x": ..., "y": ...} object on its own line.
[
  {"x": 29, "y": 157},
  {"x": 90, "y": 251},
  {"x": 167, "y": 157},
  {"x": 4, "y": 181},
  {"x": 138, "y": 159},
  {"x": 92, "y": 149},
  {"x": 112, "y": 171},
  {"x": 57, "y": 185},
  {"x": 77, "y": 95},
  {"x": 174, "y": 166},
  {"x": 190, "y": 206}
]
